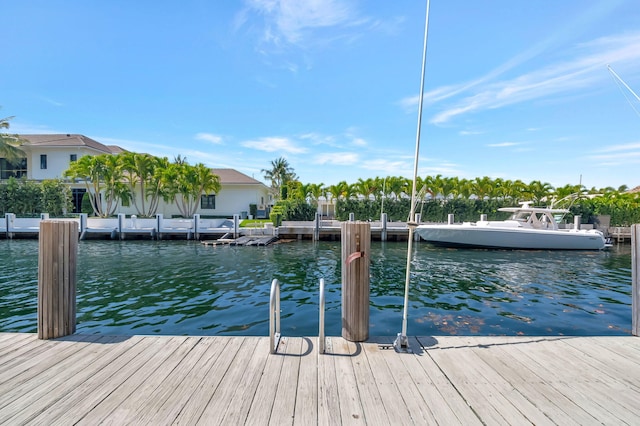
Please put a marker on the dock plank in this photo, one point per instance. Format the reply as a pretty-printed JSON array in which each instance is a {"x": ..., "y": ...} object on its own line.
[
  {"x": 554, "y": 404},
  {"x": 64, "y": 388},
  {"x": 370, "y": 398},
  {"x": 240, "y": 404},
  {"x": 203, "y": 394},
  {"x": 164, "y": 403},
  {"x": 158, "y": 380},
  {"x": 393, "y": 400},
  {"x": 233, "y": 382},
  {"x": 574, "y": 380},
  {"x": 481, "y": 394},
  {"x": 262, "y": 407},
  {"x": 306, "y": 405},
  {"x": 329, "y": 407},
  {"x": 350, "y": 401},
  {"x": 31, "y": 380},
  {"x": 287, "y": 386},
  {"x": 423, "y": 400},
  {"x": 131, "y": 398}
]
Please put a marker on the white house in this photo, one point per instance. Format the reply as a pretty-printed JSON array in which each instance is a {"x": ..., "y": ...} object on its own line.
[{"x": 49, "y": 156}]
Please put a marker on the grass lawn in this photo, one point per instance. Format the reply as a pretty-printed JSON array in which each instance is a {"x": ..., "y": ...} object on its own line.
[{"x": 254, "y": 223}]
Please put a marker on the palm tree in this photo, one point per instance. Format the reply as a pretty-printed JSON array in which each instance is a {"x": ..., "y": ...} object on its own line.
[
  {"x": 483, "y": 187},
  {"x": 186, "y": 184},
  {"x": 366, "y": 187},
  {"x": 280, "y": 173},
  {"x": 9, "y": 143},
  {"x": 316, "y": 190},
  {"x": 101, "y": 174},
  {"x": 138, "y": 171},
  {"x": 536, "y": 191},
  {"x": 156, "y": 186},
  {"x": 396, "y": 186}
]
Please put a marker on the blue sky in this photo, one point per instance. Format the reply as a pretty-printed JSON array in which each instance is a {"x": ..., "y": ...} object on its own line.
[{"x": 513, "y": 89}]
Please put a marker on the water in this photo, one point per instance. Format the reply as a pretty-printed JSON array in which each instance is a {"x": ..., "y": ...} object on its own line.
[{"x": 186, "y": 288}]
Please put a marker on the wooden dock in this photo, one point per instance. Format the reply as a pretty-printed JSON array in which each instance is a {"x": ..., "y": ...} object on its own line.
[{"x": 95, "y": 379}]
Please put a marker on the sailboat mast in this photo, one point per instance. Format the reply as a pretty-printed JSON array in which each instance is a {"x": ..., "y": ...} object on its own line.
[{"x": 402, "y": 343}]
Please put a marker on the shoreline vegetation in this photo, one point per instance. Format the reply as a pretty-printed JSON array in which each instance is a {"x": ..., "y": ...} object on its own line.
[{"x": 367, "y": 199}]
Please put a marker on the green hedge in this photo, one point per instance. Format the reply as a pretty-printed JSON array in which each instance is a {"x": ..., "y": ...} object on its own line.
[
  {"x": 624, "y": 210},
  {"x": 26, "y": 198}
]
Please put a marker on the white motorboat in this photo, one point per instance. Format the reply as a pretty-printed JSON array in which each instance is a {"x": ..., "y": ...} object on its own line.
[{"x": 528, "y": 228}]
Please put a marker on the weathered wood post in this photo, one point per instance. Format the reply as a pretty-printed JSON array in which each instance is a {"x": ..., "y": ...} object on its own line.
[
  {"x": 58, "y": 249},
  {"x": 356, "y": 241},
  {"x": 635, "y": 277}
]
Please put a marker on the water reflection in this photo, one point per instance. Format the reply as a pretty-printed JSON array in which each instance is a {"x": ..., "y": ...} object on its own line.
[{"x": 178, "y": 287}]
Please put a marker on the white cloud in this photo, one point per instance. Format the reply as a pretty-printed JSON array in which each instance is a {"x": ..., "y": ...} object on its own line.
[
  {"x": 579, "y": 74},
  {"x": 209, "y": 137},
  {"x": 318, "y": 139},
  {"x": 503, "y": 144},
  {"x": 359, "y": 142},
  {"x": 52, "y": 101},
  {"x": 304, "y": 23},
  {"x": 272, "y": 144},
  {"x": 337, "y": 158},
  {"x": 623, "y": 147},
  {"x": 616, "y": 159},
  {"x": 617, "y": 155},
  {"x": 389, "y": 167}
]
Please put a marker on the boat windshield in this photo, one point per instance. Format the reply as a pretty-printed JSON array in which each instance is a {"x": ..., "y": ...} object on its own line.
[{"x": 534, "y": 218}]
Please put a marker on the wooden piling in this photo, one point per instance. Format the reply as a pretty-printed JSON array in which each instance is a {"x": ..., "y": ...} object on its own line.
[
  {"x": 635, "y": 277},
  {"x": 57, "y": 260},
  {"x": 356, "y": 243}
]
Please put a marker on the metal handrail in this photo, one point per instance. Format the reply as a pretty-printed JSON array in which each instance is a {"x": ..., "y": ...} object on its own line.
[
  {"x": 321, "y": 342},
  {"x": 274, "y": 316}
]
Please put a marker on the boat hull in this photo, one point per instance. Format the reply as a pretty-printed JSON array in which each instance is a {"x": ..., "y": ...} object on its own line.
[{"x": 473, "y": 236}]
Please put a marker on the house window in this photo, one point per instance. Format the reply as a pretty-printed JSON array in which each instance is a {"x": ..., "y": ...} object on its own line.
[
  {"x": 208, "y": 202},
  {"x": 43, "y": 161},
  {"x": 73, "y": 157},
  {"x": 15, "y": 169}
]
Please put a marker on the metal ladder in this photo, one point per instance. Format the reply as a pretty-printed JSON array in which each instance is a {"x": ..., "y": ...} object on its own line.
[{"x": 274, "y": 317}]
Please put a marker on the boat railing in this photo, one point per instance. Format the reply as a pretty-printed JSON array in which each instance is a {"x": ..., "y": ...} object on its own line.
[
  {"x": 321, "y": 340},
  {"x": 274, "y": 316}
]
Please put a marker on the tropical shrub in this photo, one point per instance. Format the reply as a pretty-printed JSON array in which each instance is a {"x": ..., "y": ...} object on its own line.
[
  {"x": 56, "y": 197},
  {"x": 295, "y": 209},
  {"x": 26, "y": 198}
]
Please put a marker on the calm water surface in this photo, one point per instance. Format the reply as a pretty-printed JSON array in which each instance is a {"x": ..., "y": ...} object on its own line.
[{"x": 184, "y": 287}]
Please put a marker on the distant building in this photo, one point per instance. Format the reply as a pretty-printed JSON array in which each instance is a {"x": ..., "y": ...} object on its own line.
[{"x": 49, "y": 156}]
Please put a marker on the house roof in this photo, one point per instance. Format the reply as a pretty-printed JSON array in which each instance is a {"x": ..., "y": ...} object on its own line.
[
  {"x": 68, "y": 140},
  {"x": 231, "y": 176}
]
